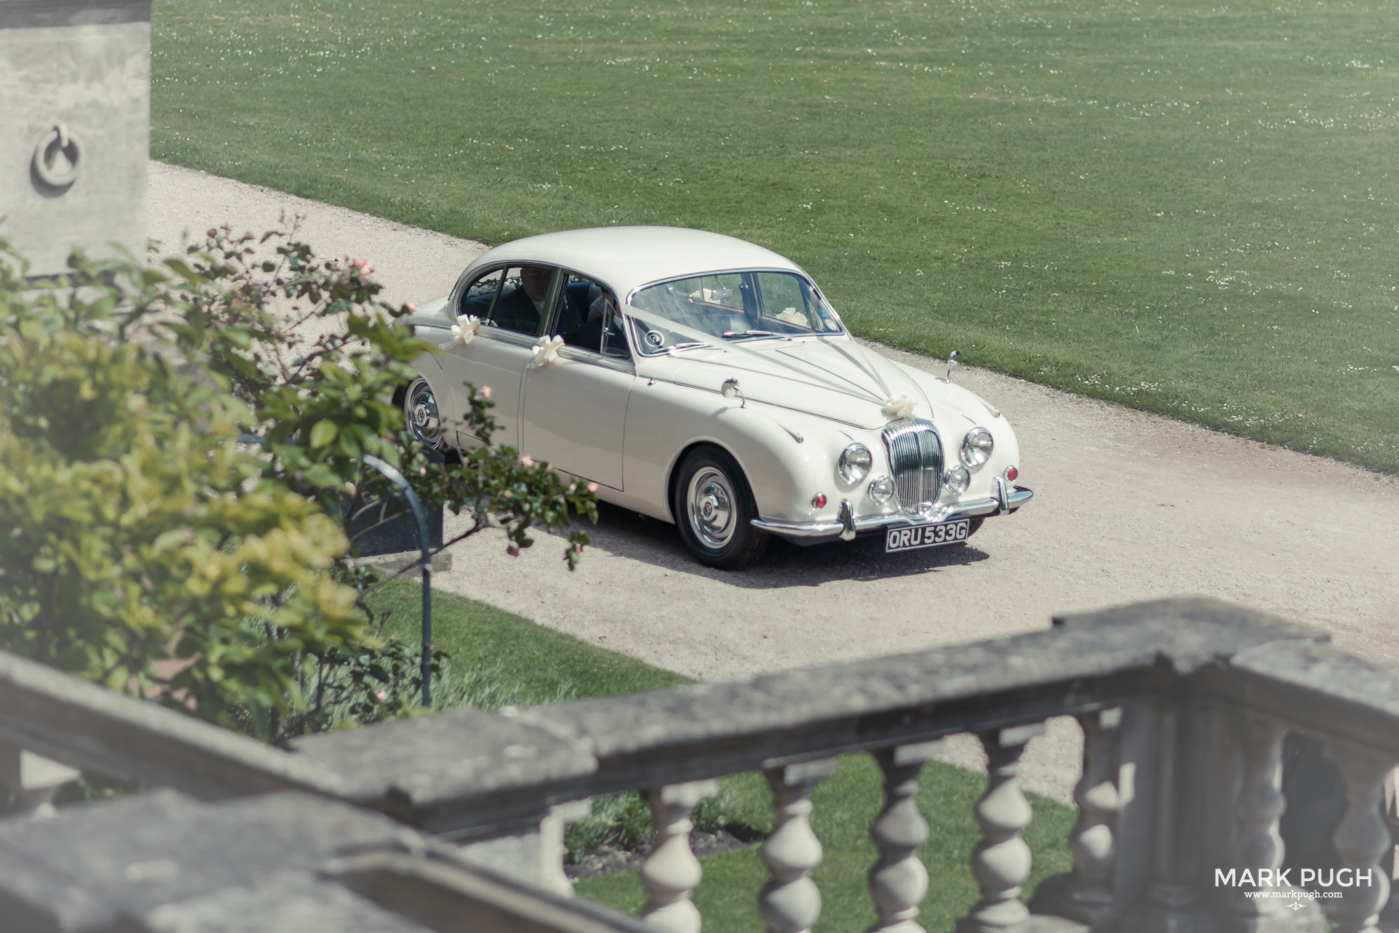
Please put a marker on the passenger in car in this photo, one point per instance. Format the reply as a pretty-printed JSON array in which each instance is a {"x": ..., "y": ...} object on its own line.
[{"x": 520, "y": 309}]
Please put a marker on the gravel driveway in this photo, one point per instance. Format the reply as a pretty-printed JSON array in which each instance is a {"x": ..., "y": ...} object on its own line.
[{"x": 1127, "y": 507}]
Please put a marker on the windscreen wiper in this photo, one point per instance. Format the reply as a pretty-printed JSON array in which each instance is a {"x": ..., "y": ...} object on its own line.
[{"x": 756, "y": 334}]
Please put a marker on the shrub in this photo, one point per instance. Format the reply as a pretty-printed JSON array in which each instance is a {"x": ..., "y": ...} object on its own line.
[{"x": 146, "y": 546}]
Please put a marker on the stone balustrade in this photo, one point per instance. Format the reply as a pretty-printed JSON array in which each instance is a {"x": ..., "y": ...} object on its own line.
[{"x": 1185, "y": 706}]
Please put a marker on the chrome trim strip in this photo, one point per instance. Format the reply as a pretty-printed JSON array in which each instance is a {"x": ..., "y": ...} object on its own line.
[{"x": 840, "y": 528}]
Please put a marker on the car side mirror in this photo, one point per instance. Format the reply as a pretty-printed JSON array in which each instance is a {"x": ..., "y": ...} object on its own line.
[
  {"x": 730, "y": 389},
  {"x": 952, "y": 363}
]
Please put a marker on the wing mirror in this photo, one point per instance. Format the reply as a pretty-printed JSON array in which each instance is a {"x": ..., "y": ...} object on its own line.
[
  {"x": 730, "y": 389},
  {"x": 952, "y": 363}
]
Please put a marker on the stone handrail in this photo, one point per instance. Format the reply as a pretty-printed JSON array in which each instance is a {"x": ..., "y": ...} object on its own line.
[{"x": 1185, "y": 705}]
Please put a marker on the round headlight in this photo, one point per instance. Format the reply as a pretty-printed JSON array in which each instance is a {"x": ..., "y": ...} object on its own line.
[
  {"x": 957, "y": 480},
  {"x": 977, "y": 447},
  {"x": 881, "y": 489},
  {"x": 855, "y": 463}
]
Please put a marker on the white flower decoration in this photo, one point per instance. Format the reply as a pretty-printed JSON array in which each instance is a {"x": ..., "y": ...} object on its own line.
[
  {"x": 464, "y": 330},
  {"x": 546, "y": 352},
  {"x": 896, "y": 408}
]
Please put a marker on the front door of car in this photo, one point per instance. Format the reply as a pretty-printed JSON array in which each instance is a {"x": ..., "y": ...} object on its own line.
[
  {"x": 509, "y": 302},
  {"x": 575, "y": 410}
]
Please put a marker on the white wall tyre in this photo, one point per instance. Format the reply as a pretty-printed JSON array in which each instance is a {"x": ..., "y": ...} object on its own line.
[{"x": 714, "y": 510}]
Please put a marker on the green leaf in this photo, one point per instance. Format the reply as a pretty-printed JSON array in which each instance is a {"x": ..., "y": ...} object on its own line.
[{"x": 323, "y": 433}]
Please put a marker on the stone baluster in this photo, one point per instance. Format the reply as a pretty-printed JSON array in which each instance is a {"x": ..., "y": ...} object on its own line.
[
  {"x": 671, "y": 872},
  {"x": 1362, "y": 838},
  {"x": 791, "y": 902},
  {"x": 32, "y": 779},
  {"x": 551, "y": 844},
  {"x": 899, "y": 880},
  {"x": 1258, "y": 809},
  {"x": 1001, "y": 860},
  {"x": 1093, "y": 842}
]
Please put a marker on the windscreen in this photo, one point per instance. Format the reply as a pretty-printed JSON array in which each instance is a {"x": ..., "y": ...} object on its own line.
[{"x": 733, "y": 306}]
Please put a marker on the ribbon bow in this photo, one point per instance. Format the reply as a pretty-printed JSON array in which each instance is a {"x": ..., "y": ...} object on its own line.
[
  {"x": 464, "y": 330},
  {"x": 546, "y": 352},
  {"x": 896, "y": 408}
]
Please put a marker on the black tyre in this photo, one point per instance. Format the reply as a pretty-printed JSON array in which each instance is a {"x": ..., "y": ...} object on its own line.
[
  {"x": 714, "y": 510},
  {"x": 423, "y": 418}
]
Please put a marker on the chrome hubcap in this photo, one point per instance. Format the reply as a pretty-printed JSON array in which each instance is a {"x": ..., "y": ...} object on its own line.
[
  {"x": 421, "y": 411},
  {"x": 711, "y": 506}
]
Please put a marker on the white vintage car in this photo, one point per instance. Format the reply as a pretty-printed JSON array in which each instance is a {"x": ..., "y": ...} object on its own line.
[{"x": 706, "y": 381}]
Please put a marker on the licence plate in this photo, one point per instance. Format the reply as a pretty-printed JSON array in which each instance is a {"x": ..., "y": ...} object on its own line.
[{"x": 911, "y": 538}]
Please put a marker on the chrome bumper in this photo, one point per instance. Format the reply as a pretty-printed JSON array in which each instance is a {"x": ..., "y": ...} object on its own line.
[{"x": 847, "y": 527}]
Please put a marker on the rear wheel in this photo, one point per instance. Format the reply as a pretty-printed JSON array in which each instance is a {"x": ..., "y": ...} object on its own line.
[{"x": 714, "y": 510}]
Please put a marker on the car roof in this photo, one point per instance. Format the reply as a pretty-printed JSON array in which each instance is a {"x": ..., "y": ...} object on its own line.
[{"x": 628, "y": 257}]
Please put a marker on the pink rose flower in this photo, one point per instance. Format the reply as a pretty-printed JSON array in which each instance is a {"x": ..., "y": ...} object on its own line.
[
  {"x": 412, "y": 307},
  {"x": 592, "y": 487},
  {"x": 513, "y": 550},
  {"x": 365, "y": 269},
  {"x": 485, "y": 391},
  {"x": 526, "y": 462},
  {"x": 382, "y": 695}
]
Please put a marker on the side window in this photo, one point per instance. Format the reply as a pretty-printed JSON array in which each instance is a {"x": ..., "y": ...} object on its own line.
[
  {"x": 588, "y": 318},
  {"x": 523, "y": 292},
  {"x": 480, "y": 295}
]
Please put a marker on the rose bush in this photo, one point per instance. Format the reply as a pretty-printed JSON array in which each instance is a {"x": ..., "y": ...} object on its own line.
[{"x": 144, "y": 544}]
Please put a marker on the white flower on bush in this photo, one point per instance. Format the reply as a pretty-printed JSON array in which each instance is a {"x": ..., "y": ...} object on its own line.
[
  {"x": 898, "y": 407},
  {"x": 465, "y": 329},
  {"x": 546, "y": 352}
]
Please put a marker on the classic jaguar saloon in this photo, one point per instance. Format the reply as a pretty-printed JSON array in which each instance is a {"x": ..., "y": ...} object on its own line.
[{"x": 706, "y": 381}]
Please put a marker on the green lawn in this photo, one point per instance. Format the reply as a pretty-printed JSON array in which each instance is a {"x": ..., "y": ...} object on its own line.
[
  {"x": 524, "y": 663},
  {"x": 1180, "y": 206}
]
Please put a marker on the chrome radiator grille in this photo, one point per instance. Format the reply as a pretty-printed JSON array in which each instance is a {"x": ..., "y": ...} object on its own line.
[{"x": 915, "y": 458}]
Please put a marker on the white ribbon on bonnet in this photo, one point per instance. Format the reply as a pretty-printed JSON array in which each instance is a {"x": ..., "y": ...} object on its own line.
[{"x": 898, "y": 407}]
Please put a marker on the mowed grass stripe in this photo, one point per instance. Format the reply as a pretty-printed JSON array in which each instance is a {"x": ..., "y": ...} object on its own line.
[{"x": 1185, "y": 209}]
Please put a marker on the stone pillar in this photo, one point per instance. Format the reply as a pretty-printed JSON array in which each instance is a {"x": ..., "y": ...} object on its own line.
[
  {"x": 1167, "y": 902},
  {"x": 75, "y": 82}
]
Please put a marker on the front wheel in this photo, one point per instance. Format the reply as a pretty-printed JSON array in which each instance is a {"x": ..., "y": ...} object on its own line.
[{"x": 714, "y": 510}]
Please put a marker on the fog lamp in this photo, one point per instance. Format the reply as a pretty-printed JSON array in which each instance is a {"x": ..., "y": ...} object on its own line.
[
  {"x": 957, "y": 480},
  {"x": 881, "y": 489}
]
